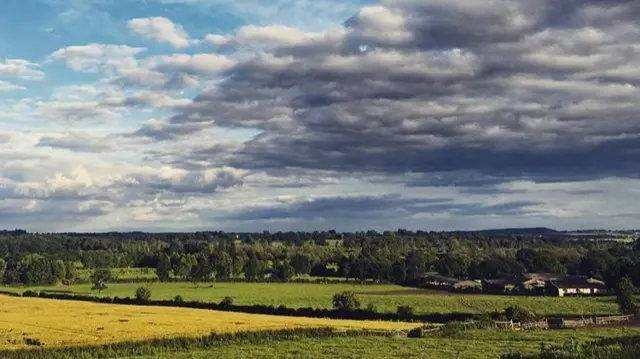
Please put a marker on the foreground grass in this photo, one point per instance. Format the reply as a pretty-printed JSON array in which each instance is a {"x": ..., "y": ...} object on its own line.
[
  {"x": 68, "y": 323},
  {"x": 383, "y": 297},
  {"x": 487, "y": 344}
]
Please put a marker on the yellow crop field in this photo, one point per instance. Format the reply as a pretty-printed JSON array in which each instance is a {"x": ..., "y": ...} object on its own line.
[{"x": 70, "y": 323}]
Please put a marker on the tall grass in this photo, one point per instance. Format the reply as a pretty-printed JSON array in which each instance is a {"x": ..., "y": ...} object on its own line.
[{"x": 163, "y": 346}]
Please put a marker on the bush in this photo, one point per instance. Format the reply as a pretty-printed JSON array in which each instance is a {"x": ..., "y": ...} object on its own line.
[
  {"x": 178, "y": 299},
  {"x": 416, "y": 333},
  {"x": 30, "y": 293},
  {"x": 32, "y": 341},
  {"x": 226, "y": 302},
  {"x": 346, "y": 301},
  {"x": 520, "y": 315},
  {"x": 404, "y": 312},
  {"x": 143, "y": 294}
]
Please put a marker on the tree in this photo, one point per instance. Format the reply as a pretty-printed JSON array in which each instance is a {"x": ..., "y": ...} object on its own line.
[
  {"x": 202, "y": 271},
  {"x": 453, "y": 264},
  {"x": 185, "y": 266},
  {"x": 346, "y": 301},
  {"x": 625, "y": 297},
  {"x": 59, "y": 270},
  {"x": 70, "y": 272},
  {"x": 226, "y": 302},
  {"x": 223, "y": 265},
  {"x": 404, "y": 312},
  {"x": 143, "y": 294},
  {"x": 301, "y": 264},
  {"x": 3, "y": 268},
  {"x": 163, "y": 270},
  {"x": 399, "y": 272},
  {"x": 284, "y": 271},
  {"x": 100, "y": 278},
  {"x": 253, "y": 269}
]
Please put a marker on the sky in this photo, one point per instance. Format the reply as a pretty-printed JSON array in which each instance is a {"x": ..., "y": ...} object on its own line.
[{"x": 185, "y": 115}]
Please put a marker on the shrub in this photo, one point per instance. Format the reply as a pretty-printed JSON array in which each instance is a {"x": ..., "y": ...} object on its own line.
[
  {"x": 143, "y": 294},
  {"x": 404, "y": 312},
  {"x": 520, "y": 315},
  {"x": 416, "y": 333},
  {"x": 346, "y": 301},
  {"x": 371, "y": 308},
  {"x": 226, "y": 302},
  {"x": 30, "y": 293},
  {"x": 178, "y": 299},
  {"x": 32, "y": 341}
]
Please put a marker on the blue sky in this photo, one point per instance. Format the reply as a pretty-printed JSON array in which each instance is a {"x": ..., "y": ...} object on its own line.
[{"x": 302, "y": 115}]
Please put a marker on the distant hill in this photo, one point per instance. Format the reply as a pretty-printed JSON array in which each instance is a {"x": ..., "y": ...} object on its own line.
[{"x": 535, "y": 231}]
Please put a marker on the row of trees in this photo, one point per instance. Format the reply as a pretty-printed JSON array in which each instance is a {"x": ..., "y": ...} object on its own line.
[
  {"x": 36, "y": 269},
  {"x": 400, "y": 256}
]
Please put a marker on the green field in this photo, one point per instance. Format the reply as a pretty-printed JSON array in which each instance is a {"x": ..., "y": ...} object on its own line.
[
  {"x": 383, "y": 297},
  {"x": 487, "y": 344}
]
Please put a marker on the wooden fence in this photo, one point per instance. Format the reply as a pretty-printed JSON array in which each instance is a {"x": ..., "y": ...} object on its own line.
[
  {"x": 560, "y": 323},
  {"x": 612, "y": 319}
]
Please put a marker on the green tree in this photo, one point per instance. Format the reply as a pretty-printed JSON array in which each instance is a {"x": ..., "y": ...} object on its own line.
[
  {"x": 223, "y": 265},
  {"x": 301, "y": 264},
  {"x": 404, "y": 312},
  {"x": 346, "y": 301},
  {"x": 59, "y": 270},
  {"x": 163, "y": 270},
  {"x": 399, "y": 272},
  {"x": 185, "y": 266},
  {"x": 284, "y": 271},
  {"x": 100, "y": 278},
  {"x": 226, "y": 302},
  {"x": 70, "y": 273},
  {"x": 143, "y": 294},
  {"x": 202, "y": 271},
  {"x": 253, "y": 269},
  {"x": 3, "y": 268},
  {"x": 625, "y": 296},
  {"x": 237, "y": 268}
]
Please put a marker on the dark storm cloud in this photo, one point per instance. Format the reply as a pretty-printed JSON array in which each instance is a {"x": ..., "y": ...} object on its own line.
[{"x": 512, "y": 89}]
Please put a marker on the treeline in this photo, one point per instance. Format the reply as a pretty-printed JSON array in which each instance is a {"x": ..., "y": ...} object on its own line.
[{"x": 392, "y": 256}]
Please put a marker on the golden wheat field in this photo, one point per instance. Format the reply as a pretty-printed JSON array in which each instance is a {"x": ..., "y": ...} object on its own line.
[{"x": 69, "y": 323}]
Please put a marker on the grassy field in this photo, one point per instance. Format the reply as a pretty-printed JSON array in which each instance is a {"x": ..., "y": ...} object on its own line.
[
  {"x": 488, "y": 344},
  {"x": 383, "y": 297},
  {"x": 66, "y": 323}
]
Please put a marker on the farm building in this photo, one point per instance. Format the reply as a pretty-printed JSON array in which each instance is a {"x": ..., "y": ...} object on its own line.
[
  {"x": 537, "y": 282},
  {"x": 576, "y": 285},
  {"x": 501, "y": 285},
  {"x": 439, "y": 281}
]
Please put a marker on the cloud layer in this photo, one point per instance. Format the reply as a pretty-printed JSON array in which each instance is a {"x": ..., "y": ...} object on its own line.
[{"x": 411, "y": 113}]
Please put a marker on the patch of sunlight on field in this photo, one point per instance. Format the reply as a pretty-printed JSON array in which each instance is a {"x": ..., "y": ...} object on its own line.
[{"x": 67, "y": 323}]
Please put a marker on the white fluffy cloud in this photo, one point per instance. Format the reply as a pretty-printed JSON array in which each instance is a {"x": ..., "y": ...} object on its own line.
[
  {"x": 161, "y": 29},
  {"x": 22, "y": 69},
  {"x": 94, "y": 56},
  {"x": 6, "y": 86}
]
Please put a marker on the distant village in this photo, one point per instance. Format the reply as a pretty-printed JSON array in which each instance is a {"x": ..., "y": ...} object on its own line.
[{"x": 530, "y": 283}]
